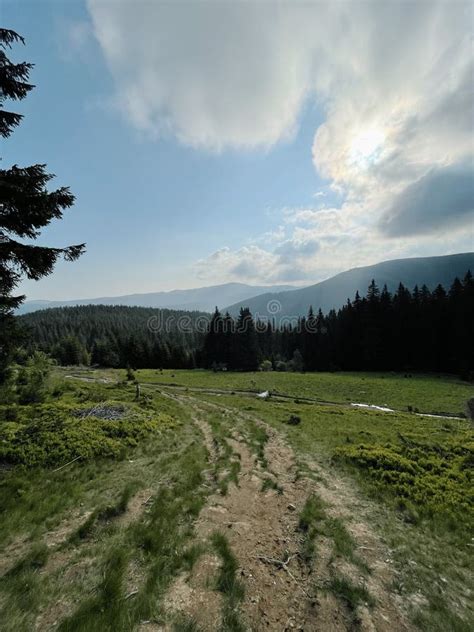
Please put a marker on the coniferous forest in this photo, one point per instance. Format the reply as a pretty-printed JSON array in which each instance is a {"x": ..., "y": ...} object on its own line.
[
  {"x": 418, "y": 330},
  {"x": 116, "y": 336}
]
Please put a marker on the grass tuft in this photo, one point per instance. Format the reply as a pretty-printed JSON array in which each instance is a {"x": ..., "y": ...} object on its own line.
[
  {"x": 351, "y": 594},
  {"x": 269, "y": 483},
  {"x": 309, "y": 523},
  {"x": 228, "y": 584},
  {"x": 105, "y": 513}
]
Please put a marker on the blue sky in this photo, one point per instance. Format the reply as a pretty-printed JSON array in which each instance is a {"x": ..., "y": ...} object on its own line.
[{"x": 200, "y": 158}]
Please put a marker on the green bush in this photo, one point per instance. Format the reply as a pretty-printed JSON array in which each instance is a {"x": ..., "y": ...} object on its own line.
[
  {"x": 32, "y": 379},
  {"x": 53, "y": 434},
  {"x": 436, "y": 480}
]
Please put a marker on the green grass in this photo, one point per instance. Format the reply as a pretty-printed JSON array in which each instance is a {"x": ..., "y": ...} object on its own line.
[
  {"x": 351, "y": 594},
  {"x": 257, "y": 438},
  {"x": 228, "y": 584},
  {"x": 226, "y": 466},
  {"x": 427, "y": 393},
  {"x": 106, "y": 513},
  {"x": 343, "y": 542},
  {"x": 159, "y": 541},
  {"x": 185, "y": 624},
  {"x": 414, "y": 469},
  {"x": 27, "y": 511},
  {"x": 314, "y": 522},
  {"x": 425, "y": 519},
  {"x": 95, "y": 561},
  {"x": 104, "y": 610},
  {"x": 21, "y": 587},
  {"x": 310, "y": 520},
  {"x": 410, "y": 460}
]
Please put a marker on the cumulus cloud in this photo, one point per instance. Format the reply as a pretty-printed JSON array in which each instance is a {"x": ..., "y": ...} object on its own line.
[
  {"x": 393, "y": 83},
  {"x": 250, "y": 264},
  {"x": 318, "y": 244},
  {"x": 287, "y": 263},
  {"x": 293, "y": 249}
]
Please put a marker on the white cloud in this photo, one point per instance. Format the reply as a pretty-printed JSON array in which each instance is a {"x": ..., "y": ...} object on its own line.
[
  {"x": 393, "y": 81},
  {"x": 320, "y": 243},
  {"x": 250, "y": 264},
  {"x": 215, "y": 74}
]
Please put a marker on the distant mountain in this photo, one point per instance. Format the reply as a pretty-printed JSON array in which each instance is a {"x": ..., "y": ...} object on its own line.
[
  {"x": 334, "y": 292},
  {"x": 201, "y": 299}
]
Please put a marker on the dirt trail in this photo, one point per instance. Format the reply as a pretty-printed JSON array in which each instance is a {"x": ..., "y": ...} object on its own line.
[
  {"x": 261, "y": 528},
  {"x": 281, "y": 591}
]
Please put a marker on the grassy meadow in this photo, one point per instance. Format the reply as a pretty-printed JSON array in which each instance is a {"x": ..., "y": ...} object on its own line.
[
  {"x": 426, "y": 393},
  {"x": 97, "y": 512}
]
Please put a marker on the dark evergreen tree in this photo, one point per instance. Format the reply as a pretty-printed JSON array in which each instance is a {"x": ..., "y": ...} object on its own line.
[
  {"x": 214, "y": 348},
  {"x": 246, "y": 352},
  {"x": 372, "y": 331},
  {"x": 310, "y": 342},
  {"x": 26, "y": 206},
  {"x": 70, "y": 351}
]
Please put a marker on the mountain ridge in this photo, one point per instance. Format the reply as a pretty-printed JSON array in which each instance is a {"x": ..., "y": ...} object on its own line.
[
  {"x": 332, "y": 293},
  {"x": 287, "y": 301},
  {"x": 195, "y": 299}
]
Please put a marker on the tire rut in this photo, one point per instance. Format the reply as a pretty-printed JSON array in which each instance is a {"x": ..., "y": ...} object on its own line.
[
  {"x": 261, "y": 528},
  {"x": 281, "y": 591}
]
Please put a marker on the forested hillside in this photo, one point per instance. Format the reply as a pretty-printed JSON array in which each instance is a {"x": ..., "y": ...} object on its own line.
[
  {"x": 416, "y": 330},
  {"x": 117, "y": 336},
  {"x": 334, "y": 292}
]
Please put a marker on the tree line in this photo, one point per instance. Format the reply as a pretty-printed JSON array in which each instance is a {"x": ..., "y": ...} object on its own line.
[{"x": 418, "y": 330}]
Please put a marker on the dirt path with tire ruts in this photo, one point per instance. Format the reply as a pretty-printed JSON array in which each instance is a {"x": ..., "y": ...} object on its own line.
[{"x": 260, "y": 521}]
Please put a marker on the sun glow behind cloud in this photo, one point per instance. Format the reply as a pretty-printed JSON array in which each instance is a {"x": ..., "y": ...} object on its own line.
[
  {"x": 395, "y": 96},
  {"x": 366, "y": 148}
]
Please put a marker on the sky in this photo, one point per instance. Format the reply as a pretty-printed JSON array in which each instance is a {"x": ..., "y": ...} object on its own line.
[{"x": 258, "y": 142}]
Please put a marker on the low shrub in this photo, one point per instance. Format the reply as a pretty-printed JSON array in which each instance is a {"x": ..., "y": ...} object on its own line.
[
  {"x": 53, "y": 434},
  {"x": 434, "y": 479}
]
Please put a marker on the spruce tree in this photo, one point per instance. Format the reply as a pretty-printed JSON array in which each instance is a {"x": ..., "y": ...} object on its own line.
[
  {"x": 213, "y": 343},
  {"x": 26, "y": 206},
  {"x": 310, "y": 341},
  {"x": 247, "y": 358}
]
